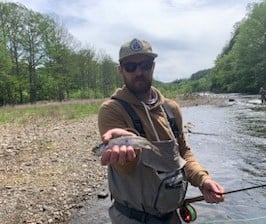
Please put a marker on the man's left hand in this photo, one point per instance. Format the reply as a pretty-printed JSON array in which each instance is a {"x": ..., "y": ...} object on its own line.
[{"x": 212, "y": 191}]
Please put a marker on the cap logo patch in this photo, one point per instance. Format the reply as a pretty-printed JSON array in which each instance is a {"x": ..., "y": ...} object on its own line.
[{"x": 136, "y": 45}]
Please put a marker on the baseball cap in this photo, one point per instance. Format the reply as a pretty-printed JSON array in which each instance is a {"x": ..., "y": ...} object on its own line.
[{"x": 136, "y": 46}]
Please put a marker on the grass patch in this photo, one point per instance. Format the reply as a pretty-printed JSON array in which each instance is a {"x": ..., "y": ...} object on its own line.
[
  {"x": 61, "y": 111},
  {"x": 40, "y": 176}
]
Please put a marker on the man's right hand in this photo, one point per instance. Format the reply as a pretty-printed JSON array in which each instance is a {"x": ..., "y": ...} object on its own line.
[{"x": 117, "y": 154}]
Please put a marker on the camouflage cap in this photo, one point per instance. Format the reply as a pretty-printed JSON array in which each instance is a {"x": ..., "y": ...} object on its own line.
[{"x": 136, "y": 46}]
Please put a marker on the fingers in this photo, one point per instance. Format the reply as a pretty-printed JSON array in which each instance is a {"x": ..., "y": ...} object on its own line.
[
  {"x": 122, "y": 156},
  {"x": 118, "y": 154},
  {"x": 213, "y": 197},
  {"x": 220, "y": 189},
  {"x": 132, "y": 153},
  {"x": 212, "y": 191},
  {"x": 115, "y": 132},
  {"x": 106, "y": 157}
]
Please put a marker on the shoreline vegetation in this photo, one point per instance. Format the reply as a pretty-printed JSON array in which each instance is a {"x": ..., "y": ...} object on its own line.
[{"x": 47, "y": 168}]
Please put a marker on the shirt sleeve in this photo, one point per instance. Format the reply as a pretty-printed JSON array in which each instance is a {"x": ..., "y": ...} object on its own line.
[
  {"x": 195, "y": 172},
  {"x": 112, "y": 115}
]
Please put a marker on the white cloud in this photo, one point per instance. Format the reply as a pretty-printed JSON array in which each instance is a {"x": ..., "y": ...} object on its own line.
[{"x": 187, "y": 34}]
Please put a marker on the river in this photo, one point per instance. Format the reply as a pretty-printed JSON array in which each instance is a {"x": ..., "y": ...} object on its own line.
[{"x": 230, "y": 142}]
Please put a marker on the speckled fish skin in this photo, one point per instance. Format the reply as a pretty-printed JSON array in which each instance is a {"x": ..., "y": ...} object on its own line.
[{"x": 136, "y": 142}]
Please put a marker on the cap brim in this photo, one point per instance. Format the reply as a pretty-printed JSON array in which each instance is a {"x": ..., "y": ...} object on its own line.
[{"x": 152, "y": 55}]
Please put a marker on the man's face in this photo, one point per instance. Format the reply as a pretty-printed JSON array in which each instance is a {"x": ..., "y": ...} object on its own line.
[{"x": 137, "y": 72}]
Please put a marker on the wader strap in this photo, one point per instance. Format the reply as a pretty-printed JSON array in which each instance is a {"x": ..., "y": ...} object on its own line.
[
  {"x": 133, "y": 115},
  {"x": 141, "y": 216},
  {"x": 137, "y": 122},
  {"x": 171, "y": 118}
]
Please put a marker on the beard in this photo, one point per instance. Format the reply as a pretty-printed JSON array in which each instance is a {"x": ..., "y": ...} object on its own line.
[{"x": 139, "y": 86}]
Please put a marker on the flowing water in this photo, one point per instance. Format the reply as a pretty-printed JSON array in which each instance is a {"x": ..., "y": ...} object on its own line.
[{"x": 230, "y": 142}]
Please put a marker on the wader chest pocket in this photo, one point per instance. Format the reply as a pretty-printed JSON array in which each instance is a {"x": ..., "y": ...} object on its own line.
[
  {"x": 173, "y": 182},
  {"x": 171, "y": 191}
]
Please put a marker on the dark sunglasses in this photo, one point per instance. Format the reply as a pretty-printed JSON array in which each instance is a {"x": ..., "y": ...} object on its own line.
[{"x": 143, "y": 65}]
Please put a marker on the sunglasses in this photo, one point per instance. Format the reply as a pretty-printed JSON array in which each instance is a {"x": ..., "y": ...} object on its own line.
[{"x": 143, "y": 65}]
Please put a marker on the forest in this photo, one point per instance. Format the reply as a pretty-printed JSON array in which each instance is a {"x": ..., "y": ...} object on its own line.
[
  {"x": 41, "y": 61},
  {"x": 241, "y": 66}
]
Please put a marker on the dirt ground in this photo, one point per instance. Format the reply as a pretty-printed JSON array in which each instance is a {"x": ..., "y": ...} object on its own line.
[{"x": 47, "y": 169}]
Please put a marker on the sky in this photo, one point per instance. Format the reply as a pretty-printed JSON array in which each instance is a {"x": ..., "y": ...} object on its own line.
[{"x": 187, "y": 35}]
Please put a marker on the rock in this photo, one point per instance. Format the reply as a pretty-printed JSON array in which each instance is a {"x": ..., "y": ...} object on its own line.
[{"x": 102, "y": 195}]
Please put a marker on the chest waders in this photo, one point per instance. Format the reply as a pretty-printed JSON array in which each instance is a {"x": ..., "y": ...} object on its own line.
[{"x": 157, "y": 187}]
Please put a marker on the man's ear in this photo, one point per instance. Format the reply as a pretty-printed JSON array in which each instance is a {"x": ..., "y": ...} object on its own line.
[{"x": 120, "y": 70}]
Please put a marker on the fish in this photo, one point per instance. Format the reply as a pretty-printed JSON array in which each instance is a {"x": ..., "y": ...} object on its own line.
[{"x": 137, "y": 142}]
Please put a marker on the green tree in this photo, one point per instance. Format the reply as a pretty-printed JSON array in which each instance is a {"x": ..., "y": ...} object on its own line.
[
  {"x": 11, "y": 26},
  {"x": 6, "y": 81},
  {"x": 109, "y": 77},
  {"x": 241, "y": 66}
]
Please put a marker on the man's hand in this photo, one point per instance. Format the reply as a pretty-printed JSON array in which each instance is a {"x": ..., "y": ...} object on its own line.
[
  {"x": 114, "y": 133},
  {"x": 118, "y": 154},
  {"x": 212, "y": 191}
]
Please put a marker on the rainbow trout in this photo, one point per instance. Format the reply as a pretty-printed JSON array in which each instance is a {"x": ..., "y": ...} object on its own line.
[{"x": 137, "y": 142}]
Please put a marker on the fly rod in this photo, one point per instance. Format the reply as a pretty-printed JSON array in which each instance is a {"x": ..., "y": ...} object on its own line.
[{"x": 201, "y": 198}]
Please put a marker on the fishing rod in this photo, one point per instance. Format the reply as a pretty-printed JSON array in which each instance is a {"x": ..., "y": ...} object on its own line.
[
  {"x": 201, "y": 198},
  {"x": 188, "y": 212}
]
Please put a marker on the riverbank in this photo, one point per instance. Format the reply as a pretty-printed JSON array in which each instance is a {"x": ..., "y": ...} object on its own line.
[{"x": 47, "y": 169}]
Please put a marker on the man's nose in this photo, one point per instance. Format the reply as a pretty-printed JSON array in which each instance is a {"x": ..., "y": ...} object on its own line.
[{"x": 139, "y": 71}]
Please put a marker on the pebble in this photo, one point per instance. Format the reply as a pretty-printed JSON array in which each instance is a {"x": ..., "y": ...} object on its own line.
[{"x": 44, "y": 181}]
